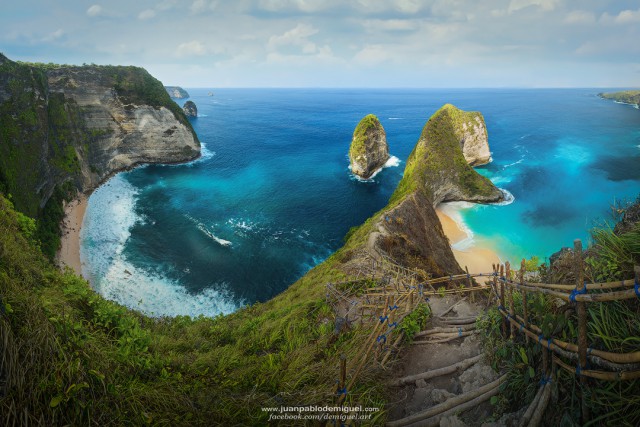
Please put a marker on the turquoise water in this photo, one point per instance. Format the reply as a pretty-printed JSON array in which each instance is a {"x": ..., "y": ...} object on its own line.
[{"x": 272, "y": 195}]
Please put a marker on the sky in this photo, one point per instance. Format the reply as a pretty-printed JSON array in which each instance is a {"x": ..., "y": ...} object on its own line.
[{"x": 338, "y": 43}]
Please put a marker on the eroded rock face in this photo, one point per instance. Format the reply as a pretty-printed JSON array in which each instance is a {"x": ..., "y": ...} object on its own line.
[
  {"x": 127, "y": 128},
  {"x": 190, "y": 109},
  {"x": 79, "y": 125},
  {"x": 472, "y": 132},
  {"x": 369, "y": 150},
  {"x": 176, "y": 92},
  {"x": 408, "y": 229}
]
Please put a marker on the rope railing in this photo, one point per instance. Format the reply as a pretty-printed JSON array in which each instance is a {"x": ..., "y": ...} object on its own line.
[{"x": 621, "y": 365}]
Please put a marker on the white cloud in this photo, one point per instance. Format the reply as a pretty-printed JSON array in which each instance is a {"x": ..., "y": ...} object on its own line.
[
  {"x": 372, "y": 55},
  {"x": 408, "y": 6},
  {"x": 298, "y": 36},
  {"x": 628, "y": 17},
  {"x": 192, "y": 48},
  {"x": 94, "y": 10},
  {"x": 545, "y": 5},
  {"x": 375, "y": 25},
  {"x": 146, "y": 14},
  {"x": 306, "y": 6},
  {"x": 53, "y": 36},
  {"x": 580, "y": 17},
  {"x": 198, "y": 6}
]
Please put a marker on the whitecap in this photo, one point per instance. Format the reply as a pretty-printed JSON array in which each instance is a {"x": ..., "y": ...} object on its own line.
[
  {"x": 508, "y": 198},
  {"x": 514, "y": 163},
  {"x": 106, "y": 228},
  {"x": 392, "y": 162},
  {"x": 203, "y": 115},
  {"x": 207, "y": 232},
  {"x": 395, "y": 118}
]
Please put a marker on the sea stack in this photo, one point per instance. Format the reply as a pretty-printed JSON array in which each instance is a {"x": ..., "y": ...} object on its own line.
[
  {"x": 369, "y": 150},
  {"x": 190, "y": 109}
]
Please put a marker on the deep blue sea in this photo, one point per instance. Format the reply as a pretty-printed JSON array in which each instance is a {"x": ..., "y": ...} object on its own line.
[{"x": 272, "y": 195}]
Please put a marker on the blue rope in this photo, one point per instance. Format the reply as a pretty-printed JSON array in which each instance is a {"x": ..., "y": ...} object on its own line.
[
  {"x": 549, "y": 342},
  {"x": 521, "y": 327},
  {"x": 576, "y": 292},
  {"x": 393, "y": 308},
  {"x": 450, "y": 277},
  {"x": 578, "y": 370},
  {"x": 545, "y": 380},
  {"x": 459, "y": 332},
  {"x": 382, "y": 338},
  {"x": 636, "y": 287},
  {"x": 382, "y": 319},
  {"x": 540, "y": 338},
  {"x": 343, "y": 391},
  {"x": 426, "y": 299},
  {"x": 393, "y": 325}
]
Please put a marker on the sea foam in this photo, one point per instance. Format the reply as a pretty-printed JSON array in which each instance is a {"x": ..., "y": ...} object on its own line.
[
  {"x": 109, "y": 218},
  {"x": 392, "y": 162}
]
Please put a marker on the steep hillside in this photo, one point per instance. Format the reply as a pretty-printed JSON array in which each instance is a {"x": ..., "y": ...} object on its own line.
[{"x": 65, "y": 129}]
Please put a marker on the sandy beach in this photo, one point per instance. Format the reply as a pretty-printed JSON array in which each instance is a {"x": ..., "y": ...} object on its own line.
[
  {"x": 478, "y": 260},
  {"x": 69, "y": 254}
]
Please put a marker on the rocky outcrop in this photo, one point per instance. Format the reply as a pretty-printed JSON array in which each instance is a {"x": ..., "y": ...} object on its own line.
[
  {"x": 78, "y": 125},
  {"x": 369, "y": 150},
  {"x": 190, "y": 109},
  {"x": 176, "y": 92},
  {"x": 408, "y": 229},
  {"x": 631, "y": 97},
  {"x": 472, "y": 133}
]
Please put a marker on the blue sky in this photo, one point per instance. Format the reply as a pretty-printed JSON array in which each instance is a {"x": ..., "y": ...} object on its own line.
[{"x": 338, "y": 43}]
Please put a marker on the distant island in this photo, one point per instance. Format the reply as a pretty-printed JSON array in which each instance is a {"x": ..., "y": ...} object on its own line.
[
  {"x": 176, "y": 92},
  {"x": 631, "y": 97}
]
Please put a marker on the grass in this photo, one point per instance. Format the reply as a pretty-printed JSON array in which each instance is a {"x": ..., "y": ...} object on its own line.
[
  {"x": 75, "y": 358},
  {"x": 612, "y": 326},
  {"x": 367, "y": 125},
  {"x": 39, "y": 177}
]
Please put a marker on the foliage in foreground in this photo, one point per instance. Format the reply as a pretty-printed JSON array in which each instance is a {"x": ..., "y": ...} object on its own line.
[
  {"x": 613, "y": 326},
  {"x": 71, "y": 357}
]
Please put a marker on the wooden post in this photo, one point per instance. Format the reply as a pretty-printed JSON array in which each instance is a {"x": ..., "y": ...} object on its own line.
[
  {"x": 525, "y": 310},
  {"x": 343, "y": 372},
  {"x": 581, "y": 310},
  {"x": 504, "y": 321},
  {"x": 512, "y": 310},
  {"x": 470, "y": 283}
]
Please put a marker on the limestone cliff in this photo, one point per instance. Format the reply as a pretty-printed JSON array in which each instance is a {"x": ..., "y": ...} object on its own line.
[
  {"x": 472, "y": 133},
  {"x": 190, "y": 109},
  {"x": 176, "y": 92},
  {"x": 369, "y": 150},
  {"x": 407, "y": 229},
  {"x": 66, "y": 128}
]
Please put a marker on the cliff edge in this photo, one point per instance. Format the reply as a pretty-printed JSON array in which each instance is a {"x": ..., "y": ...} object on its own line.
[
  {"x": 368, "y": 151},
  {"x": 67, "y": 128}
]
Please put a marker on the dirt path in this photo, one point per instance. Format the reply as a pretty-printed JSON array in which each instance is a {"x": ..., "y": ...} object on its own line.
[{"x": 420, "y": 395}]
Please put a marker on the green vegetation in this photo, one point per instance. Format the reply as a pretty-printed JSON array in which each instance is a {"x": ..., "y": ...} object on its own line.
[
  {"x": 44, "y": 139},
  {"x": 627, "y": 96},
  {"x": 437, "y": 160},
  {"x": 368, "y": 124},
  {"x": 613, "y": 326},
  {"x": 76, "y": 358}
]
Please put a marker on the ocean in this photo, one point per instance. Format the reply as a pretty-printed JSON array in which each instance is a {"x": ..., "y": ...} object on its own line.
[{"x": 272, "y": 195}]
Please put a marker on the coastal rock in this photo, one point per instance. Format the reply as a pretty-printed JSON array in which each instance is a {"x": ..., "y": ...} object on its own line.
[
  {"x": 408, "y": 229},
  {"x": 472, "y": 133},
  {"x": 631, "y": 97},
  {"x": 176, "y": 92},
  {"x": 190, "y": 109},
  {"x": 369, "y": 150},
  {"x": 78, "y": 125}
]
